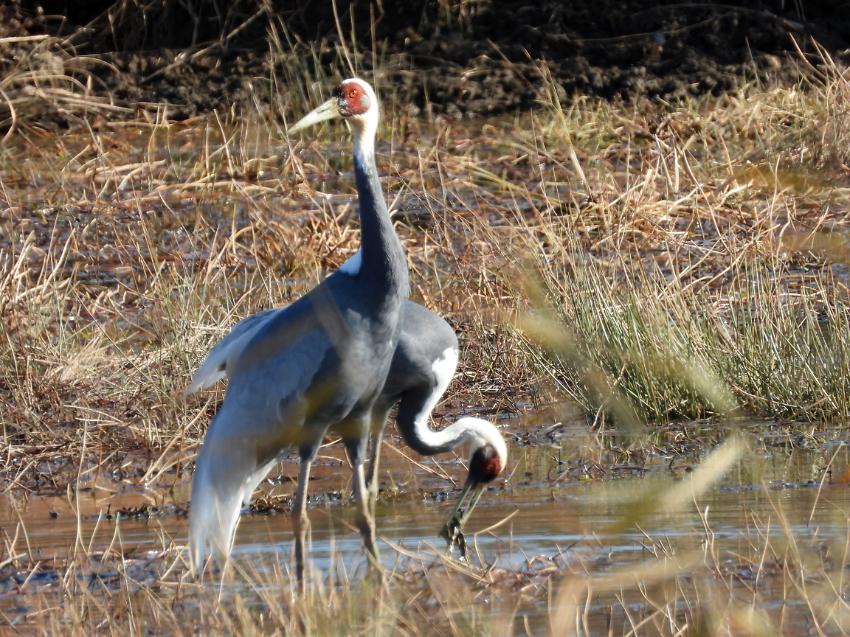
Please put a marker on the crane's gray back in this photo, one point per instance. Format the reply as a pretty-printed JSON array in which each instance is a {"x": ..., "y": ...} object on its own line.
[{"x": 424, "y": 338}]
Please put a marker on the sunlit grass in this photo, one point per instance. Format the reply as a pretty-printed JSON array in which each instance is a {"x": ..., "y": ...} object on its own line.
[
  {"x": 648, "y": 262},
  {"x": 754, "y": 349}
]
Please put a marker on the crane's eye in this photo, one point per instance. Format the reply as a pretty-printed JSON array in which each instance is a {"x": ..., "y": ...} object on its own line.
[{"x": 352, "y": 93}]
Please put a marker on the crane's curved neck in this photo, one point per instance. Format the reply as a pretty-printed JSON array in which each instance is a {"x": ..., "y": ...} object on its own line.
[
  {"x": 383, "y": 262},
  {"x": 429, "y": 442},
  {"x": 414, "y": 413}
]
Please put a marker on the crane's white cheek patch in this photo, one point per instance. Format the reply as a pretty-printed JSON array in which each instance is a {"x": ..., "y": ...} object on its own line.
[{"x": 352, "y": 264}]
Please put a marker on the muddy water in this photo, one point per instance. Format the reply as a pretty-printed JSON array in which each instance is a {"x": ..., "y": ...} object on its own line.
[{"x": 546, "y": 514}]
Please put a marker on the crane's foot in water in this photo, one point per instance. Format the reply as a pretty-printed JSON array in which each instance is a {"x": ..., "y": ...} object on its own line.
[{"x": 453, "y": 535}]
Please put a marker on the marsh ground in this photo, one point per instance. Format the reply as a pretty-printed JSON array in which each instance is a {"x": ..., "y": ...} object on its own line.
[{"x": 635, "y": 283}]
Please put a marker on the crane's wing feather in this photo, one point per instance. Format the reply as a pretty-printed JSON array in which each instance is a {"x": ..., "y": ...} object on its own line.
[
  {"x": 218, "y": 362},
  {"x": 273, "y": 382}
]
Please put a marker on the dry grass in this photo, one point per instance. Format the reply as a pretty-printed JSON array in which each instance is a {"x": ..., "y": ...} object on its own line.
[
  {"x": 673, "y": 260},
  {"x": 42, "y": 77},
  {"x": 683, "y": 247}
]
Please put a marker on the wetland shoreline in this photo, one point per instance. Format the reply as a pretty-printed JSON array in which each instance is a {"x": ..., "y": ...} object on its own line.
[{"x": 652, "y": 302}]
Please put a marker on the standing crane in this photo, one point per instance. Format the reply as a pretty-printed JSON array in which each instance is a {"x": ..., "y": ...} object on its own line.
[{"x": 315, "y": 366}]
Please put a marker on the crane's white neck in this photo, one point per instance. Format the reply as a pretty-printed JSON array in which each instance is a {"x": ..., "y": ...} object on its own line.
[
  {"x": 474, "y": 431},
  {"x": 365, "y": 125},
  {"x": 467, "y": 430},
  {"x": 444, "y": 369},
  {"x": 364, "y": 129}
]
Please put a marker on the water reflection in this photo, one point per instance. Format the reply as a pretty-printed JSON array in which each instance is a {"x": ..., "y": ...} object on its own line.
[{"x": 532, "y": 522}]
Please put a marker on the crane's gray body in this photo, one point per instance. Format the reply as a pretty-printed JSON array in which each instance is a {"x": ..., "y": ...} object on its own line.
[
  {"x": 317, "y": 363},
  {"x": 423, "y": 339},
  {"x": 297, "y": 372},
  {"x": 414, "y": 381}
]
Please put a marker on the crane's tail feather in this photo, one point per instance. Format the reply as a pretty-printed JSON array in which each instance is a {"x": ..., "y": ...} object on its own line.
[
  {"x": 214, "y": 512},
  {"x": 218, "y": 362},
  {"x": 226, "y": 474},
  {"x": 210, "y": 372},
  {"x": 215, "y": 365},
  {"x": 254, "y": 481}
]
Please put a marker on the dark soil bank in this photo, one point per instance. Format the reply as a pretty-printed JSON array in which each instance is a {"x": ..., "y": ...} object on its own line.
[{"x": 458, "y": 56}]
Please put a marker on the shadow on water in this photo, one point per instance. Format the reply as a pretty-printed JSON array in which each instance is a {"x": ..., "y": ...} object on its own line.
[{"x": 545, "y": 520}]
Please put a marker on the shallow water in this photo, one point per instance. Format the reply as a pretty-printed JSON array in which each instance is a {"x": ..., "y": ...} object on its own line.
[{"x": 542, "y": 516}]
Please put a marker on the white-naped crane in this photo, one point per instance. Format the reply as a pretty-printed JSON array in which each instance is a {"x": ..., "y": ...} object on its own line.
[
  {"x": 315, "y": 366},
  {"x": 423, "y": 366}
]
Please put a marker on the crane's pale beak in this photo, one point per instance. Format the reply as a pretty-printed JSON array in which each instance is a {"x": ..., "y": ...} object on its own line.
[{"x": 327, "y": 110}]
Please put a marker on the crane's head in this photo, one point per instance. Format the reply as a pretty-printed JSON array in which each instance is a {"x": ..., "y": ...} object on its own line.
[
  {"x": 489, "y": 456},
  {"x": 489, "y": 453},
  {"x": 353, "y": 100},
  {"x": 486, "y": 464}
]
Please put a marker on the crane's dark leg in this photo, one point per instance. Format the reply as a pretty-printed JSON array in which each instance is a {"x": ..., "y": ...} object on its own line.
[
  {"x": 365, "y": 521},
  {"x": 356, "y": 447},
  {"x": 379, "y": 423},
  {"x": 300, "y": 521}
]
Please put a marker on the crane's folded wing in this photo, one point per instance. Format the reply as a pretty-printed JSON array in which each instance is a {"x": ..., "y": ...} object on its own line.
[{"x": 219, "y": 361}]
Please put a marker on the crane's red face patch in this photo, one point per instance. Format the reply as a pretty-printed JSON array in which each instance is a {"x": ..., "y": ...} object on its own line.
[
  {"x": 352, "y": 99},
  {"x": 485, "y": 464}
]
